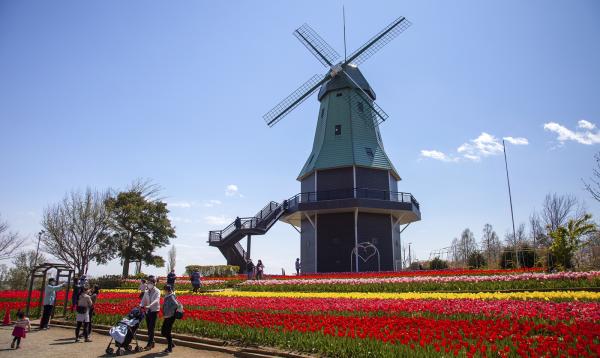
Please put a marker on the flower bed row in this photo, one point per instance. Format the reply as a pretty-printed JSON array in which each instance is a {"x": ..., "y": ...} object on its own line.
[
  {"x": 384, "y": 324},
  {"x": 431, "y": 284},
  {"x": 446, "y": 272},
  {"x": 365, "y": 326},
  {"x": 428, "y": 279}
]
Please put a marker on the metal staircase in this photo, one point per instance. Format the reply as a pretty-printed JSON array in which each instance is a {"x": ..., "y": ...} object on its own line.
[{"x": 228, "y": 239}]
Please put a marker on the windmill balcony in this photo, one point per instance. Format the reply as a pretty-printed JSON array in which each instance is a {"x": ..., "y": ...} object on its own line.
[{"x": 343, "y": 200}]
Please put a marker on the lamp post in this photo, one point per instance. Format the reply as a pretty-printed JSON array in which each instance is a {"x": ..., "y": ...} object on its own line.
[{"x": 37, "y": 250}]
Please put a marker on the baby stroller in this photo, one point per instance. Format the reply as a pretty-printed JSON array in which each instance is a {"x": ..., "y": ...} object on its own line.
[{"x": 124, "y": 332}]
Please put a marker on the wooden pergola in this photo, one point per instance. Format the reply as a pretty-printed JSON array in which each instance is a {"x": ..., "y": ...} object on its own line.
[{"x": 41, "y": 271}]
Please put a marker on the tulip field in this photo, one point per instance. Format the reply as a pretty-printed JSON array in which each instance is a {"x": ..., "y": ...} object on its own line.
[{"x": 381, "y": 314}]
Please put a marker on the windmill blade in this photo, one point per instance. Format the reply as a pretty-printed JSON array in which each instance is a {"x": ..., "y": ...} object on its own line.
[
  {"x": 316, "y": 45},
  {"x": 378, "y": 112},
  {"x": 377, "y": 42},
  {"x": 293, "y": 100}
]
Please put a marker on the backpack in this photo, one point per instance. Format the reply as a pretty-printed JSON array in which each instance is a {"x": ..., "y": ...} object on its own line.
[{"x": 179, "y": 311}]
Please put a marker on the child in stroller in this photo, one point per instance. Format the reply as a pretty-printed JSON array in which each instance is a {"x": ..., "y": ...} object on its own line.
[{"x": 124, "y": 332}]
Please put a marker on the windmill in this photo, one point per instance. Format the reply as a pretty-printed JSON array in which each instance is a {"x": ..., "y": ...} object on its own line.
[
  {"x": 349, "y": 211},
  {"x": 328, "y": 57}
]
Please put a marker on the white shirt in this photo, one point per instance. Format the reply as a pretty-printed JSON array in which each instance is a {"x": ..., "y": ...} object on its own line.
[{"x": 151, "y": 299}]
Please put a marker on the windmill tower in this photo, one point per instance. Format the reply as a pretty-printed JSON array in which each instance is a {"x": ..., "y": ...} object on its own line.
[{"x": 349, "y": 211}]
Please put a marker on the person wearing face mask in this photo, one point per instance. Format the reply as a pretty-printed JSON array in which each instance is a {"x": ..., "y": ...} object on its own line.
[{"x": 151, "y": 301}]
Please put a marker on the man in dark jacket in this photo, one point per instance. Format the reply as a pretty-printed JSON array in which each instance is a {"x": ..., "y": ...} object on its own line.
[
  {"x": 195, "y": 278},
  {"x": 250, "y": 269},
  {"x": 171, "y": 277}
]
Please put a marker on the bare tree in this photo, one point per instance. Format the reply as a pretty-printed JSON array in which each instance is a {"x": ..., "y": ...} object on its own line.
[
  {"x": 147, "y": 189},
  {"x": 463, "y": 247},
  {"x": 172, "y": 258},
  {"x": 76, "y": 230},
  {"x": 519, "y": 239},
  {"x": 490, "y": 244},
  {"x": 9, "y": 241},
  {"x": 557, "y": 209},
  {"x": 537, "y": 233}
]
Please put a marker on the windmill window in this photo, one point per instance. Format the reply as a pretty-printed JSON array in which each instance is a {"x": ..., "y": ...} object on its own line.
[
  {"x": 338, "y": 129},
  {"x": 360, "y": 107},
  {"x": 339, "y": 94},
  {"x": 370, "y": 152}
]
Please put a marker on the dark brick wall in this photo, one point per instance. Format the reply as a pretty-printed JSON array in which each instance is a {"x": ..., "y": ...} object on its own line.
[
  {"x": 376, "y": 229},
  {"x": 333, "y": 179},
  {"x": 335, "y": 241},
  {"x": 372, "y": 179}
]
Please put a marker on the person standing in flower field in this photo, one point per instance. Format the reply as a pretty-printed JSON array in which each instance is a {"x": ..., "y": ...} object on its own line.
[
  {"x": 298, "y": 267},
  {"x": 259, "y": 270},
  {"x": 195, "y": 278},
  {"x": 171, "y": 277},
  {"x": 250, "y": 269},
  {"x": 49, "y": 300},
  {"x": 151, "y": 301},
  {"x": 21, "y": 327}
]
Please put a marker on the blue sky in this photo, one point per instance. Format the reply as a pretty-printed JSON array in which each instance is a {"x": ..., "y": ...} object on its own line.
[{"x": 100, "y": 93}]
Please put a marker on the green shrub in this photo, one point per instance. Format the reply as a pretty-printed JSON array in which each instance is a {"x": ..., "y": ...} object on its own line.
[
  {"x": 438, "y": 264},
  {"x": 214, "y": 270},
  {"x": 107, "y": 281}
]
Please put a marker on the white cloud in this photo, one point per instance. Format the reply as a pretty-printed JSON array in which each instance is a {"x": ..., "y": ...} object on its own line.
[
  {"x": 231, "y": 190},
  {"x": 585, "y": 124},
  {"x": 587, "y": 137},
  {"x": 217, "y": 220},
  {"x": 437, "y": 155},
  {"x": 180, "y": 204},
  {"x": 483, "y": 146},
  {"x": 211, "y": 203},
  {"x": 517, "y": 140}
]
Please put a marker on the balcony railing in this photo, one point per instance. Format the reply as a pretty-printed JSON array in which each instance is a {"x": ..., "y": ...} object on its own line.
[
  {"x": 354, "y": 193},
  {"x": 267, "y": 215}
]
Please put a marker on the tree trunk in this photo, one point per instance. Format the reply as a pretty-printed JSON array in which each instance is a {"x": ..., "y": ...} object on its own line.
[
  {"x": 127, "y": 256},
  {"x": 125, "y": 267}
]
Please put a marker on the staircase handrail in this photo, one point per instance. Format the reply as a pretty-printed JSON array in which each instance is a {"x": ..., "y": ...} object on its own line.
[{"x": 266, "y": 210}]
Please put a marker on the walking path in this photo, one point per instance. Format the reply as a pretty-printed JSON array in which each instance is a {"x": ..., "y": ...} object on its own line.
[{"x": 59, "y": 342}]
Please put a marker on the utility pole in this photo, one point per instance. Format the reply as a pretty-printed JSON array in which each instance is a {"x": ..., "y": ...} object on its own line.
[{"x": 511, "y": 205}]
